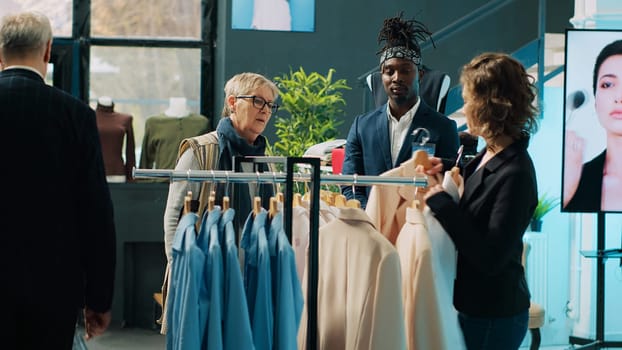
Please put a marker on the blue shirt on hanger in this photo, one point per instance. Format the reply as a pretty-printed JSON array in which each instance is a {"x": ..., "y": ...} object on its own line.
[
  {"x": 288, "y": 291},
  {"x": 210, "y": 293},
  {"x": 236, "y": 324},
  {"x": 187, "y": 264},
  {"x": 258, "y": 280}
]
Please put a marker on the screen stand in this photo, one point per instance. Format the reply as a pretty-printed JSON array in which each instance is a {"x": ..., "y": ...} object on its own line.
[{"x": 601, "y": 255}]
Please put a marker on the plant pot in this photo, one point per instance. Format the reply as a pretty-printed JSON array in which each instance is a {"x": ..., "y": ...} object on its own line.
[{"x": 535, "y": 225}]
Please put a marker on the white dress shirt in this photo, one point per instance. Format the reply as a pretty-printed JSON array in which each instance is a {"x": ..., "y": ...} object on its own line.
[{"x": 399, "y": 128}]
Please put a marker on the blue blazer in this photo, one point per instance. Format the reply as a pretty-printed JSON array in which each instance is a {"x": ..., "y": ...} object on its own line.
[{"x": 368, "y": 147}]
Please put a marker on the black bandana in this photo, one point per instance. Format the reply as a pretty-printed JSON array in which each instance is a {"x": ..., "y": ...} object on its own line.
[{"x": 400, "y": 52}]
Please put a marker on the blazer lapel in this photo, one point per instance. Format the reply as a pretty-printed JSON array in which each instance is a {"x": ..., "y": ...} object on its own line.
[
  {"x": 406, "y": 151},
  {"x": 475, "y": 177},
  {"x": 384, "y": 141}
]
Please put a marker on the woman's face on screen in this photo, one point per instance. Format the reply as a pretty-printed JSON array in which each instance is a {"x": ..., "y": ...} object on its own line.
[{"x": 608, "y": 96}]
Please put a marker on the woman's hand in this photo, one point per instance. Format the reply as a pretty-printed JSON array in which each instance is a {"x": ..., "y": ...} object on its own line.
[
  {"x": 436, "y": 166},
  {"x": 432, "y": 190},
  {"x": 573, "y": 164}
]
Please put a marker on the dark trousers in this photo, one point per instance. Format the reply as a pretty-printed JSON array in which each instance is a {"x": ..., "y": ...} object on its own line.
[
  {"x": 504, "y": 333},
  {"x": 39, "y": 326}
]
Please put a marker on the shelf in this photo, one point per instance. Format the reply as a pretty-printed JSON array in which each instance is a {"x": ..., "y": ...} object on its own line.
[{"x": 605, "y": 253}]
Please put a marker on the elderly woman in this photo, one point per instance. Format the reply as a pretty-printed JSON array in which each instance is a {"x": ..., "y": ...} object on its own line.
[{"x": 249, "y": 104}]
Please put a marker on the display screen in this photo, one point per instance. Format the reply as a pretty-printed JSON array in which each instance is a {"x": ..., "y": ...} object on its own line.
[
  {"x": 274, "y": 15},
  {"x": 592, "y": 127}
]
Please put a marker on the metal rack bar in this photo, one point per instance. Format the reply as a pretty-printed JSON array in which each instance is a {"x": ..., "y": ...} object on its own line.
[{"x": 266, "y": 177}]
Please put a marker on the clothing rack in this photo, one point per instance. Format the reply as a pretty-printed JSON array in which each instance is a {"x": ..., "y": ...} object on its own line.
[
  {"x": 315, "y": 178},
  {"x": 277, "y": 177}
]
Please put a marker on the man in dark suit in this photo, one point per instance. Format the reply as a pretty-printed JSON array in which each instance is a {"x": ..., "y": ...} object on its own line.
[
  {"x": 58, "y": 230},
  {"x": 383, "y": 139}
]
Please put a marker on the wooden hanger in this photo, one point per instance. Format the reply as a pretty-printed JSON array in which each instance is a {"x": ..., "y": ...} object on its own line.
[
  {"x": 274, "y": 207},
  {"x": 421, "y": 158},
  {"x": 340, "y": 201},
  {"x": 297, "y": 201},
  {"x": 353, "y": 203},
  {"x": 187, "y": 201},
  {"x": 225, "y": 203},
  {"x": 455, "y": 174},
  {"x": 415, "y": 204},
  {"x": 256, "y": 206},
  {"x": 211, "y": 201}
]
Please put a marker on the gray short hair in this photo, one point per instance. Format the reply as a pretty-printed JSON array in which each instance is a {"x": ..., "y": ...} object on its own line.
[
  {"x": 243, "y": 84},
  {"x": 24, "y": 33}
]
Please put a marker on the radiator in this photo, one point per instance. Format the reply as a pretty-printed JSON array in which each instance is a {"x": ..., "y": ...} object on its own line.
[{"x": 537, "y": 267}]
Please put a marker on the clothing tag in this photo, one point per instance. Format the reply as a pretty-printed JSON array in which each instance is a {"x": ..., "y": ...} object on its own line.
[{"x": 429, "y": 147}]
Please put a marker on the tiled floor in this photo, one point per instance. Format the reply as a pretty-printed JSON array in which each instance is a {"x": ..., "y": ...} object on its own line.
[{"x": 117, "y": 338}]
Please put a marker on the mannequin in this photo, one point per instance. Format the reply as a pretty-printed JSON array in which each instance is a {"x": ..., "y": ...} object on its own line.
[
  {"x": 164, "y": 132},
  {"x": 177, "y": 107},
  {"x": 115, "y": 129}
]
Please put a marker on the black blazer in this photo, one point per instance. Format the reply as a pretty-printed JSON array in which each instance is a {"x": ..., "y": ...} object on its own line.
[
  {"x": 587, "y": 198},
  {"x": 58, "y": 232},
  {"x": 487, "y": 227}
]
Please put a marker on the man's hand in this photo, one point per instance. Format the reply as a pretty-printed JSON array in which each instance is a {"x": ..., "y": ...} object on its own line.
[{"x": 95, "y": 322}]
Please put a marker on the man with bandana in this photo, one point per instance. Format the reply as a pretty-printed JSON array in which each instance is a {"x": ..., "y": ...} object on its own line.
[{"x": 386, "y": 137}]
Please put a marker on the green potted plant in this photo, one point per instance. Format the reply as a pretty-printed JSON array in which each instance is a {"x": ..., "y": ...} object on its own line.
[
  {"x": 546, "y": 203},
  {"x": 313, "y": 104}
]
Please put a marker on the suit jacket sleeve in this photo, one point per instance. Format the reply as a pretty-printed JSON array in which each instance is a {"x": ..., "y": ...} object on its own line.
[
  {"x": 98, "y": 249},
  {"x": 353, "y": 163},
  {"x": 484, "y": 228}
]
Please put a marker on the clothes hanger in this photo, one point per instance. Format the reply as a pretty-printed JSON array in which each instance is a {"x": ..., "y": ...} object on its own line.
[
  {"x": 187, "y": 203},
  {"x": 340, "y": 201},
  {"x": 225, "y": 198},
  {"x": 297, "y": 201},
  {"x": 353, "y": 203},
  {"x": 211, "y": 201},
  {"x": 274, "y": 207},
  {"x": 257, "y": 199},
  {"x": 256, "y": 206},
  {"x": 421, "y": 158},
  {"x": 416, "y": 204}
]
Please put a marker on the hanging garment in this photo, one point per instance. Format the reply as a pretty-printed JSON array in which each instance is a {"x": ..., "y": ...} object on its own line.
[
  {"x": 186, "y": 275},
  {"x": 287, "y": 293},
  {"x": 387, "y": 204},
  {"x": 163, "y": 135},
  {"x": 300, "y": 237},
  {"x": 430, "y": 318},
  {"x": 359, "y": 287},
  {"x": 258, "y": 280},
  {"x": 236, "y": 324},
  {"x": 442, "y": 245},
  {"x": 210, "y": 302},
  {"x": 115, "y": 130}
]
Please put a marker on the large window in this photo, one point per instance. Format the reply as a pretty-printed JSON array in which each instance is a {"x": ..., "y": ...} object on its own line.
[
  {"x": 140, "y": 80},
  {"x": 146, "y": 19},
  {"x": 140, "y": 53},
  {"x": 59, "y": 11}
]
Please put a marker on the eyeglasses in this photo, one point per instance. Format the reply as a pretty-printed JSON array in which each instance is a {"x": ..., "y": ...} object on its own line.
[{"x": 259, "y": 103}]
